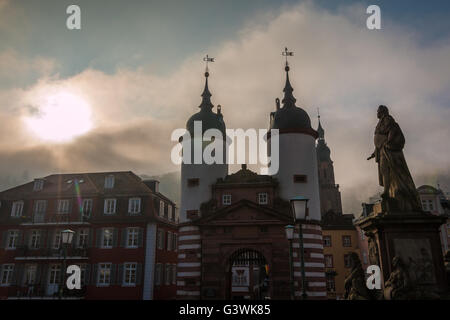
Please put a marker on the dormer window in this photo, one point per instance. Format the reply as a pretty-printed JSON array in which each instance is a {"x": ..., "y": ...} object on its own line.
[
  {"x": 38, "y": 184},
  {"x": 226, "y": 199},
  {"x": 109, "y": 182}
]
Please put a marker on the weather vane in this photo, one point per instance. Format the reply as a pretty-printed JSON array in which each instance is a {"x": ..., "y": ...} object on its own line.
[
  {"x": 287, "y": 54},
  {"x": 207, "y": 59}
]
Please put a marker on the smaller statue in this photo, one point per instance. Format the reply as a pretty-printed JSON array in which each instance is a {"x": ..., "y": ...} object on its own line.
[
  {"x": 355, "y": 283},
  {"x": 398, "y": 285},
  {"x": 373, "y": 249}
]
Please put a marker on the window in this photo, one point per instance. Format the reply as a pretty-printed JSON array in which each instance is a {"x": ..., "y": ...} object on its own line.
[
  {"x": 160, "y": 240},
  {"x": 430, "y": 205},
  {"x": 104, "y": 274},
  {"x": 132, "y": 237},
  {"x": 328, "y": 261},
  {"x": 365, "y": 260},
  {"x": 38, "y": 184},
  {"x": 40, "y": 207},
  {"x": 193, "y": 182},
  {"x": 63, "y": 206},
  {"x": 107, "y": 238},
  {"x": 327, "y": 241},
  {"x": 161, "y": 208},
  {"x": 262, "y": 198},
  {"x": 129, "y": 276},
  {"x": 171, "y": 216},
  {"x": 362, "y": 235},
  {"x": 347, "y": 261},
  {"x": 331, "y": 285},
  {"x": 13, "y": 239},
  {"x": 55, "y": 274},
  {"x": 7, "y": 273},
  {"x": 17, "y": 208},
  {"x": 109, "y": 182},
  {"x": 168, "y": 274},
  {"x": 300, "y": 178},
  {"x": 425, "y": 205},
  {"x": 110, "y": 206},
  {"x": 83, "y": 235},
  {"x": 35, "y": 239},
  {"x": 57, "y": 239},
  {"x": 158, "y": 274},
  {"x": 169, "y": 240},
  {"x": 87, "y": 207},
  {"x": 30, "y": 274},
  {"x": 134, "y": 205},
  {"x": 346, "y": 241},
  {"x": 175, "y": 242},
  {"x": 226, "y": 199},
  {"x": 174, "y": 275}
]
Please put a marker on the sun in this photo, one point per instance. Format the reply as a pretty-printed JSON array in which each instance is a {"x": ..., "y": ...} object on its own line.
[{"x": 60, "y": 117}]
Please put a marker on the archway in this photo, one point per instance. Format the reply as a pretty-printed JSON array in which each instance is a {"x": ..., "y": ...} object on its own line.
[{"x": 248, "y": 275}]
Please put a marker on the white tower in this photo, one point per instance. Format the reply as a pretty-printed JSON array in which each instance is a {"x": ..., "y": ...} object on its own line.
[
  {"x": 297, "y": 174},
  {"x": 196, "y": 179}
]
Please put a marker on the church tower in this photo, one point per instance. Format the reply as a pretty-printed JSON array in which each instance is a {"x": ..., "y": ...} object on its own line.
[
  {"x": 297, "y": 174},
  {"x": 196, "y": 179},
  {"x": 330, "y": 196}
]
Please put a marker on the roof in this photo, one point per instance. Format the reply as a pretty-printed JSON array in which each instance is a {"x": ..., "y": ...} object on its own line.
[
  {"x": 290, "y": 116},
  {"x": 61, "y": 185},
  {"x": 335, "y": 221},
  {"x": 246, "y": 176}
]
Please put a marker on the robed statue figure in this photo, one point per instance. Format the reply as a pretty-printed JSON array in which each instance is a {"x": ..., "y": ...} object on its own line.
[{"x": 400, "y": 193}]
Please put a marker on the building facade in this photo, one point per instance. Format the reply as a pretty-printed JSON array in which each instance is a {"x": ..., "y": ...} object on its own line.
[
  {"x": 232, "y": 240},
  {"x": 340, "y": 239},
  {"x": 125, "y": 237}
]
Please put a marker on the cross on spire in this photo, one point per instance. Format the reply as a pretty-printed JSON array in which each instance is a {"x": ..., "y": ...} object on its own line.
[
  {"x": 207, "y": 59},
  {"x": 287, "y": 54}
]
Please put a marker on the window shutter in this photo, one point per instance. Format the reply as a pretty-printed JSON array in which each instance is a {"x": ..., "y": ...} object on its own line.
[
  {"x": 75, "y": 238},
  {"x": 5, "y": 238},
  {"x": 17, "y": 274},
  {"x": 123, "y": 242},
  {"x": 120, "y": 276},
  {"x": 114, "y": 277},
  {"x": 27, "y": 238},
  {"x": 38, "y": 273},
  {"x": 163, "y": 238},
  {"x": 20, "y": 239},
  {"x": 94, "y": 274},
  {"x": 44, "y": 275},
  {"x": 115, "y": 236},
  {"x": 49, "y": 238},
  {"x": 99, "y": 233},
  {"x": 87, "y": 274},
  {"x": 138, "y": 274},
  {"x": 91, "y": 238},
  {"x": 140, "y": 237}
]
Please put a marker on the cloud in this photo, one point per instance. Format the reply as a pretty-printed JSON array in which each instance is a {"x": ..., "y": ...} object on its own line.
[{"x": 338, "y": 65}]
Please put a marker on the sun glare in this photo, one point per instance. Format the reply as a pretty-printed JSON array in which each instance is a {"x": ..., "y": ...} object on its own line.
[{"x": 60, "y": 117}]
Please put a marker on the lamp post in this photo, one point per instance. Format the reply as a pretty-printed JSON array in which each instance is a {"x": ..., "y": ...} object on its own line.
[
  {"x": 290, "y": 235},
  {"x": 66, "y": 240},
  {"x": 299, "y": 205}
]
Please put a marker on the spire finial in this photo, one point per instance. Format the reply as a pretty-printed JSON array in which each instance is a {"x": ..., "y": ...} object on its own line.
[
  {"x": 320, "y": 130},
  {"x": 206, "y": 95},
  {"x": 288, "y": 100},
  {"x": 207, "y": 59}
]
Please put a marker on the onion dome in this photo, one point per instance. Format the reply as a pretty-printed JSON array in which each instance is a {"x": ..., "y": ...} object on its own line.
[
  {"x": 290, "y": 116},
  {"x": 209, "y": 119}
]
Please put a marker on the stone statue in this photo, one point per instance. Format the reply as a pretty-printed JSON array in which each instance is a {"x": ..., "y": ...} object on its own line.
[
  {"x": 355, "y": 283},
  {"x": 398, "y": 285},
  {"x": 373, "y": 249},
  {"x": 400, "y": 193}
]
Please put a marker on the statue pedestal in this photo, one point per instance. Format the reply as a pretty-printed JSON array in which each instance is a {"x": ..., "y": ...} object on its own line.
[{"x": 413, "y": 237}]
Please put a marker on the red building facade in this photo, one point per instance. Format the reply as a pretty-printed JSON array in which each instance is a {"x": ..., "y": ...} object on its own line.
[
  {"x": 237, "y": 247},
  {"x": 124, "y": 243}
]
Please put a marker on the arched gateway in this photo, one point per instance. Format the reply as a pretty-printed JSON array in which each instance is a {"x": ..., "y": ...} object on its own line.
[{"x": 248, "y": 275}]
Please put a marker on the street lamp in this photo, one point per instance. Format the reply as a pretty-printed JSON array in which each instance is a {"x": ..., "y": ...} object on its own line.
[
  {"x": 299, "y": 205},
  {"x": 290, "y": 235},
  {"x": 66, "y": 240}
]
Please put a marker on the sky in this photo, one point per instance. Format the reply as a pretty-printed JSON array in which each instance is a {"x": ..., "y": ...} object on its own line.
[{"x": 116, "y": 89}]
